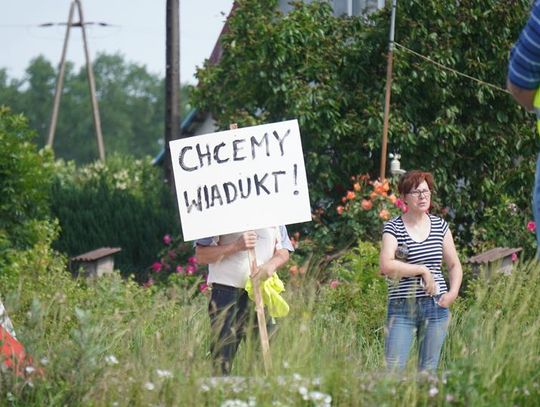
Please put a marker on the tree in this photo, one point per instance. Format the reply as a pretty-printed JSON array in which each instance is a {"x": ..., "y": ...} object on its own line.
[
  {"x": 329, "y": 73},
  {"x": 25, "y": 181},
  {"x": 131, "y": 102}
]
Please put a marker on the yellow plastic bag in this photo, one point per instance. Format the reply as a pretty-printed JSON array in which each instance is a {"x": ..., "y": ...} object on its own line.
[{"x": 271, "y": 290}]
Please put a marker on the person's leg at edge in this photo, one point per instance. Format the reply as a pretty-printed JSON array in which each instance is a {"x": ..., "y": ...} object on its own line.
[
  {"x": 400, "y": 332},
  {"x": 432, "y": 334},
  {"x": 536, "y": 205}
]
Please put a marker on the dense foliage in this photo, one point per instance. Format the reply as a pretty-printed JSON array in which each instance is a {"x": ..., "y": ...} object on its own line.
[
  {"x": 329, "y": 73},
  {"x": 121, "y": 203},
  {"x": 131, "y": 102},
  {"x": 25, "y": 179}
]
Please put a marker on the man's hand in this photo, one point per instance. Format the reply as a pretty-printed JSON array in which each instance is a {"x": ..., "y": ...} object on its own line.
[
  {"x": 525, "y": 97},
  {"x": 264, "y": 272},
  {"x": 248, "y": 240}
]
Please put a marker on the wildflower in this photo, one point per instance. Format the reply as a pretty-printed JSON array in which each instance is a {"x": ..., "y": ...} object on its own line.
[
  {"x": 514, "y": 257},
  {"x": 433, "y": 391},
  {"x": 203, "y": 287},
  {"x": 29, "y": 369},
  {"x": 190, "y": 269},
  {"x": 149, "y": 386},
  {"x": 164, "y": 374},
  {"x": 44, "y": 361},
  {"x": 449, "y": 398},
  {"x": 156, "y": 267},
  {"x": 344, "y": 199},
  {"x": 179, "y": 269},
  {"x": 293, "y": 270},
  {"x": 350, "y": 195},
  {"x": 319, "y": 399},
  {"x": 111, "y": 360},
  {"x": 234, "y": 403},
  {"x": 357, "y": 186},
  {"x": 512, "y": 207},
  {"x": 149, "y": 283},
  {"x": 334, "y": 283},
  {"x": 340, "y": 210},
  {"x": 366, "y": 204},
  {"x": 192, "y": 260},
  {"x": 205, "y": 388},
  {"x": 384, "y": 214},
  {"x": 531, "y": 226},
  {"x": 167, "y": 239}
]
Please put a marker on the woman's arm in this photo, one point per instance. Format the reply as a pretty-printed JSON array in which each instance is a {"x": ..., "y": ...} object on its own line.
[
  {"x": 397, "y": 269},
  {"x": 455, "y": 272}
]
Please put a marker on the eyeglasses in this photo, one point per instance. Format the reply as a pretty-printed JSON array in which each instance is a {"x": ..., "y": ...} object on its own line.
[{"x": 419, "y": 192}]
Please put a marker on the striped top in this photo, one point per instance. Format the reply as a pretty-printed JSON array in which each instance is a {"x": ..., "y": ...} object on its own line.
[
  {"x": 428, "y": 252},
  {"x": 524, "y": 64}
]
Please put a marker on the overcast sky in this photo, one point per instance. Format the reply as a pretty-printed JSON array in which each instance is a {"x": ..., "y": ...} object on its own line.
[{"x": 137, "y": 31}]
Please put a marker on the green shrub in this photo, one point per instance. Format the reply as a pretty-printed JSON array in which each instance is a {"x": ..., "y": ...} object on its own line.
[
  {"x": 505, "y": 224},
  {"x": 123, "y": 202},
  {"x": 355, "y": 291},
  {"x": 178, "y": 267},
  {"x": 25, "y": 178}
]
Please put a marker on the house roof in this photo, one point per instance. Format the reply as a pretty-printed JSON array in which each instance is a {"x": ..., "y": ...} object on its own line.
[
  {"x": 96, "y": 254},
  {"x": 493, "y": 255}
]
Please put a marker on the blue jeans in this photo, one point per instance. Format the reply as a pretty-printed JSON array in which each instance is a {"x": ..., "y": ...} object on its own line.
[
  {"x": 536, "y": 205},
  {"x": 422, "y": 318}
]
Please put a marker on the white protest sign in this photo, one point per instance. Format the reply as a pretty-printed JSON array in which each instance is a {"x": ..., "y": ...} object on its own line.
[{"x": 241, "y": 179}]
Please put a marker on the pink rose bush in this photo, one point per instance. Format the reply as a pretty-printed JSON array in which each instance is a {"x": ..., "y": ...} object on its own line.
[{"x": 177, "y": 266}]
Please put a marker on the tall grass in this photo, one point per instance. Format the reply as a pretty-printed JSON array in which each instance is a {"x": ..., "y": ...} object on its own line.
[{"x": 121, "y": 345}]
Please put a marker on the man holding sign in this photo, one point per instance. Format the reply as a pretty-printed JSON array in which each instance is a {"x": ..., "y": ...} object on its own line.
[
  {"x": 229, "y": 270},
  {"x": 230, "y": 182}
]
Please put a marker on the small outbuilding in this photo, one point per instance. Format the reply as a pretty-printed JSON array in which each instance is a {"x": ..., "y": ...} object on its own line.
[
  {"x": 96, "y": 263},
  {"x": 498, "y": 260}
]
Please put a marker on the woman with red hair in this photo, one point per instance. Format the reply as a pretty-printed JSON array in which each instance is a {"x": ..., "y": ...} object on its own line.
[{"x": 414, "y": 245}]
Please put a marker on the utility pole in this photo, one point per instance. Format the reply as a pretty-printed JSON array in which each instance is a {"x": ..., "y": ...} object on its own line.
[
  {"x": 91, "y": 81},
  {"x": 384, "y": 142},
  {"x": 172, "y": 83}
]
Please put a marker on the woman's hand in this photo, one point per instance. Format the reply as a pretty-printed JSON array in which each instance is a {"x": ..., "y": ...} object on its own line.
[
  {"x": 447, "y": 299},
  {"x": 430, "y": 286}
]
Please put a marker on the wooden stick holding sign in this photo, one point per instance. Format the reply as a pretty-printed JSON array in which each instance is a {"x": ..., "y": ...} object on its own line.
[{"x": 259, "y": 306}]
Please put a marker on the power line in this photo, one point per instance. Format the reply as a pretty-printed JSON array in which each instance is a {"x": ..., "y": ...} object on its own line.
[
  {"x": 100, "y": 23},
  {"x": 428, "y": 59}
]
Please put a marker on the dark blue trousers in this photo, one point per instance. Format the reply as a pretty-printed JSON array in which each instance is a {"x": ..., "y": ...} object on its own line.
[{"x": 229, "y": 315}]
